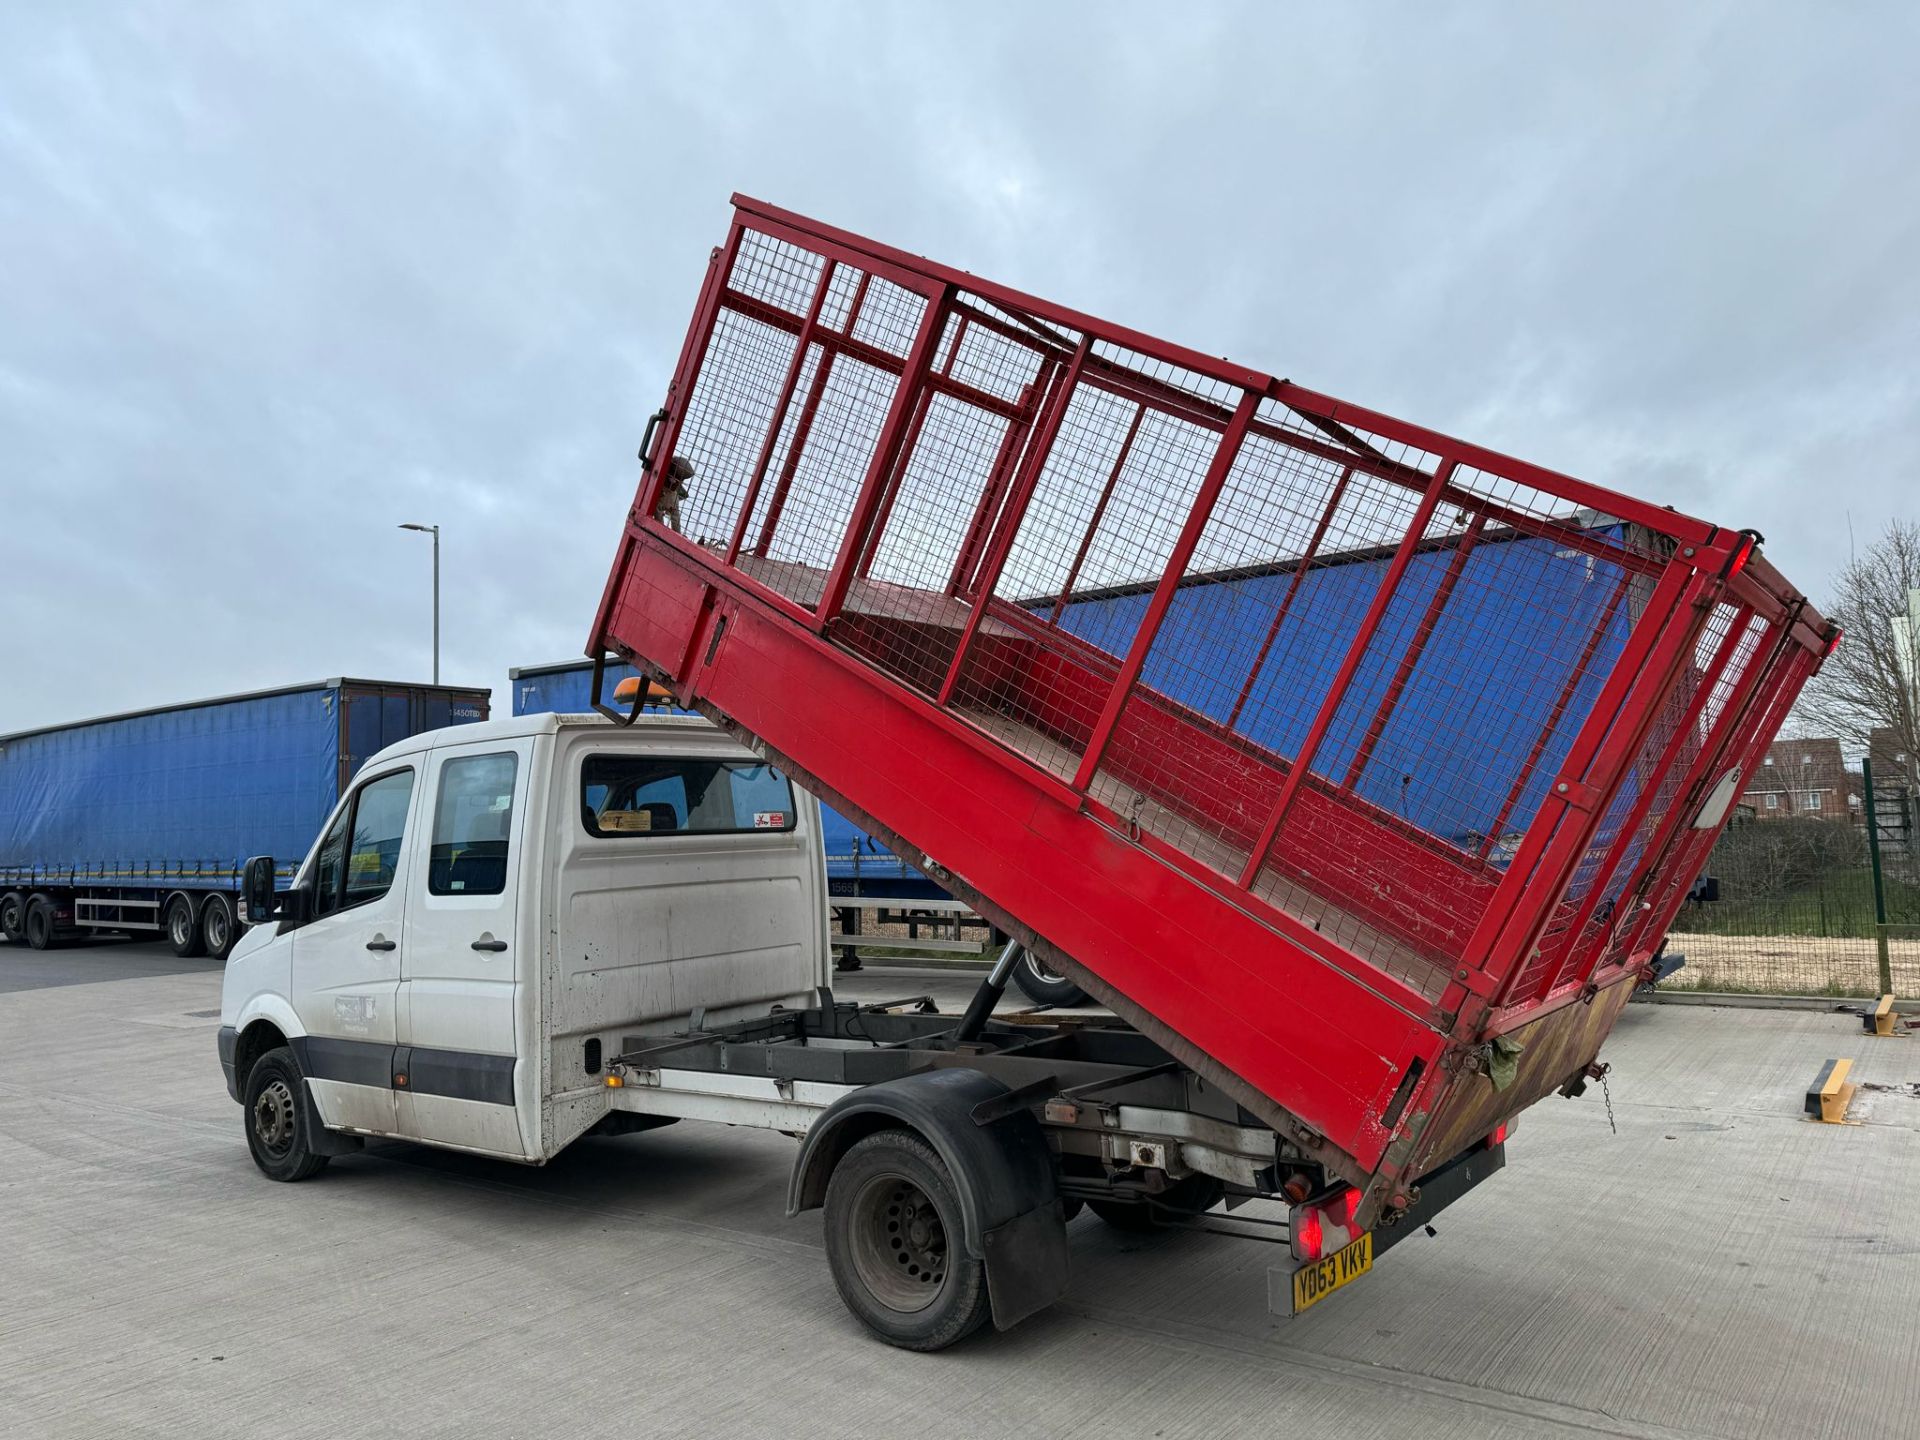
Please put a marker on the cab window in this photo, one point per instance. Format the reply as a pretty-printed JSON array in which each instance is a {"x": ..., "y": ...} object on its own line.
[
  {"x": 471, "y": 820},
  {"x": 637, "y": 795},
  {"x": 361, "y": 852},
  {"x": 329, "y": 863}
]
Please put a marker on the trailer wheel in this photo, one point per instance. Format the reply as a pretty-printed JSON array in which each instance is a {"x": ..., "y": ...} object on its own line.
[
  {"x": 13, "y": 916},
  {"x": 217, "y": 929},
  {"x": 276, "y": 1121},
  {"x": 1195, "y": 1195},
  {"x": 1043, "y": 987},
  {"x": 183, "y": 931},
  {"x": 38, "y": 924},
  {"x": 893, "y": 1232}
]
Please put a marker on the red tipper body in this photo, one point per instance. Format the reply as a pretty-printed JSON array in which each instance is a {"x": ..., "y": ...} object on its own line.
[{"x": 1322, "y": 747}]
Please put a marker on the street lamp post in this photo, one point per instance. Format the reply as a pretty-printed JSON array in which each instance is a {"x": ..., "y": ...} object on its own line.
[{"x": 433, "y": 530}]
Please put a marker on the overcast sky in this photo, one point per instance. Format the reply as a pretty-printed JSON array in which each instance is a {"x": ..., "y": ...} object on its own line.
[{"x": 276, "y": 278}]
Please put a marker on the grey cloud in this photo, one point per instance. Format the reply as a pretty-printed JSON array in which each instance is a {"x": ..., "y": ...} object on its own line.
[{"x": 276, "y": 278}]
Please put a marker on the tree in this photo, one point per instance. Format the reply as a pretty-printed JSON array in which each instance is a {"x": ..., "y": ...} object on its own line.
[{"x": 1872, "y": 680}]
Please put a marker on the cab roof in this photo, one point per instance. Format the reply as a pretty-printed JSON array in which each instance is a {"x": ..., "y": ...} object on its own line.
[{"x": 519, "y": 727}]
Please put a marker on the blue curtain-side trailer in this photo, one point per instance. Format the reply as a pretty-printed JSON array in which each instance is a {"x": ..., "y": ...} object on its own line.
[{"x": 140, "y": 823}]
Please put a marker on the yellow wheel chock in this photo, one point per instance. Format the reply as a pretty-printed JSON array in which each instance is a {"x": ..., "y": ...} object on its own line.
[
  {"x": 1881, "y": 1020},
  {"x": 1832, "y": 1092}
]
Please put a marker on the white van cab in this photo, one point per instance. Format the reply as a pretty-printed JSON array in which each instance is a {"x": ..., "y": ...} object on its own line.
[
  {"x": 485, "y": 914},
  {"x": 513, "y": 933}
]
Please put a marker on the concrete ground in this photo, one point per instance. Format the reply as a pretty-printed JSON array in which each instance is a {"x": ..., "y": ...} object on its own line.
[{"x": 1720, "y": 1267}]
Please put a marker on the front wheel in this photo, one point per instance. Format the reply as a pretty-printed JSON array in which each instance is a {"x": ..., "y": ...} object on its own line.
[
  {"x": 894, "y": 1244},
  {"x": 277, "y": 1120},
  {"x": 1043, "y": 987}
]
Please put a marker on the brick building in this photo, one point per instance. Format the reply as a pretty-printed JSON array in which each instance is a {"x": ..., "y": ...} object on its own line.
[{"x": 1807, "y": 778}]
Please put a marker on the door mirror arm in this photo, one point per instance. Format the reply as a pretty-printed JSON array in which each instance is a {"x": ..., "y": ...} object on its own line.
[
  {"x": 261, "y": 902},
  {"x": 296, "y": 908}
]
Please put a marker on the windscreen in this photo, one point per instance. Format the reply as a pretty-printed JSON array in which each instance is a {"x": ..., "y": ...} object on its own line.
[{"x": 640, "y": 795}]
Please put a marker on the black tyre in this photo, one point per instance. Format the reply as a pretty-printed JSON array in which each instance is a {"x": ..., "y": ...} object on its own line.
[
  {"x": 894, "y": 1244},
  {"x": 13, "y": 916},
  {"x": 1194, "y": 1195},
  {"x": 38, "y": 924},
  {"x": 218, "y": 928},
  {"x": 276, "y": 1121},
  {"x": 1043, "y": 987},
  {"x": 183, "y": 928}
]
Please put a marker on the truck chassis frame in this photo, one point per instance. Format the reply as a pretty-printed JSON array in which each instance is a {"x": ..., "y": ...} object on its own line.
[{"x": 1125, "y": 1121}]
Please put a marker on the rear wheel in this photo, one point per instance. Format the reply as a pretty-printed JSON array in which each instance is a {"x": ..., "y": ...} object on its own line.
[
  {"x": 217, "y": 928},
  {"x": 276, "y": 1119},
  {"x": 1194, "y": 1195},
  {"x": 183, "y": 929},
  {"x": 38, "y": 924},
  {"x": 1043, "y": 987},
  {"x": 894, "y": 1244},
  {"x": 13, "y": 916}
]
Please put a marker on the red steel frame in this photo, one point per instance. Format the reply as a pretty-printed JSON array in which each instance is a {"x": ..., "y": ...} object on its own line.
[{"x": 1339, "y": 1052}]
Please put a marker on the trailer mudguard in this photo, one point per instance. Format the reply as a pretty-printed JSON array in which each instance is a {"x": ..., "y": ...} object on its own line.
[{"x": 1003, "y": 1171}]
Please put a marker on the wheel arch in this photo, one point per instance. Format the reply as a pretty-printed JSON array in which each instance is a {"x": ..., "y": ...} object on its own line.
[
  {"x": 1002, "y": 1171},
  {"x": 254, "y": 1039},
  {"x": 266, "y": 1014}
]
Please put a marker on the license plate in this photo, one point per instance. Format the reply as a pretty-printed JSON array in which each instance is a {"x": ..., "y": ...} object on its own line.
[{"x": 1313, "y": 1283}]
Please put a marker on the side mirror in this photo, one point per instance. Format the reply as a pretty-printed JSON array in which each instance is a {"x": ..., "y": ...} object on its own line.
[{"x": 257, "y": 900}]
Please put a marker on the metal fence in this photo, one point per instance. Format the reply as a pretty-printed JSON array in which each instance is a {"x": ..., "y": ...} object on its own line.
[{"x": 1810, "y": 907}]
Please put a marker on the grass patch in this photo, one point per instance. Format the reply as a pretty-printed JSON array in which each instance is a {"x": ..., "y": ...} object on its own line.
[{"x": 1835, "y": 906}]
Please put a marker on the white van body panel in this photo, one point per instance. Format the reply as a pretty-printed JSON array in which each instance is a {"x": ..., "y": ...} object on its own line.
[
  {"x": 504, "y": 967},
  {"x": 647, "y": 929}
]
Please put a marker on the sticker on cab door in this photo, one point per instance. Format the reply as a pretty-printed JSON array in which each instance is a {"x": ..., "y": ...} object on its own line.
[{"x": 769, "y": 819}]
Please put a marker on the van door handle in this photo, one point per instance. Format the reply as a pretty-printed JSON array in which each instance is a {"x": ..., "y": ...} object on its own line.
[
  {"x": 487, "y": 942},
  {"x": 380, "y": 942}
]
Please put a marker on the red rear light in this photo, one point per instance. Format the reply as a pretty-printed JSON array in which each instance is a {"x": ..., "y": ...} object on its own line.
[
  {"x": 1499, "y": 1136},
  {"x": 1308, "y": 1238},
  {"x": 1326, "y": 1225},
  {"x": 1742, "y": 553}
]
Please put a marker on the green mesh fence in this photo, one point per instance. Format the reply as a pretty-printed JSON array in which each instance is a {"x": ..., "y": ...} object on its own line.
[{"x": 1799, "y": 911}]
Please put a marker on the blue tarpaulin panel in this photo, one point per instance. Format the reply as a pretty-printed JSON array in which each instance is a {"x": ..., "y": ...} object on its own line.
[
  {"x": 1466, "y": 720},
  {"x": 188, "y": 793},
  {"x": 1467, "y": 710}
]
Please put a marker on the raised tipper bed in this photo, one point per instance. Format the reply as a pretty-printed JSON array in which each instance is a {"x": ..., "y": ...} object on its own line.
[{"x": 1322, "y": 747}]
